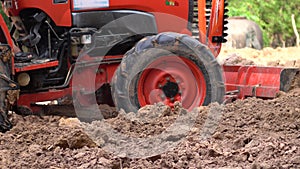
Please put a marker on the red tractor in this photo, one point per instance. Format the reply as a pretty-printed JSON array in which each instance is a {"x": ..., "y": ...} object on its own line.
[{"x": 123, "y": 53}]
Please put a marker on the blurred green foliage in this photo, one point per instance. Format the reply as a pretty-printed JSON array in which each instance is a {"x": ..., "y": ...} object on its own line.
[{"x": 273, "y": 16}]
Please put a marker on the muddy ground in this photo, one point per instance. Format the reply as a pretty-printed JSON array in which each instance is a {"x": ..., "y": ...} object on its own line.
[{"x": 251, "y": 133}]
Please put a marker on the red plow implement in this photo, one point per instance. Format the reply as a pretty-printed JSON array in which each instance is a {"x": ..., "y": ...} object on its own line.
[{"x": 255, "y": 81}]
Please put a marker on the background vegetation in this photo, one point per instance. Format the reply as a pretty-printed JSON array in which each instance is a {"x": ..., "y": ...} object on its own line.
[{"x": 273, "y": 16}]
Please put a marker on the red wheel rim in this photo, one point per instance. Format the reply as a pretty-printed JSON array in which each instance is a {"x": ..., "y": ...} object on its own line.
[{"x": 169, "y": 79}]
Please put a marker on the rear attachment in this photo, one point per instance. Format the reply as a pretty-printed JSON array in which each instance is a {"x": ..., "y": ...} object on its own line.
[{"x": 253, "y": 81}]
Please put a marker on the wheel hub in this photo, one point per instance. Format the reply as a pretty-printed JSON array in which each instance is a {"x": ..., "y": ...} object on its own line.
[{"x": 170, "y": 89}]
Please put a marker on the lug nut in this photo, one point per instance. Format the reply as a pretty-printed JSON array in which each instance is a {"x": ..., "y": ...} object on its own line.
[
  {"x": 172, "y": 99},
  {"x": 168, "y": 79},
  {"x": 160, "y": 86}
]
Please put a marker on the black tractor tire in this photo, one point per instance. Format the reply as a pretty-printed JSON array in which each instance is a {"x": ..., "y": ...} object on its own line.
[
  {"x": 162, "y": 49},
  {"x": 5, "y": 124}
]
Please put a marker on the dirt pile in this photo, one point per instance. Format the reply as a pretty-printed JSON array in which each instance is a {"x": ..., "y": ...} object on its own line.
[
  {"x": 287, "y": 57},
  {"x": 251, "y": 133}
]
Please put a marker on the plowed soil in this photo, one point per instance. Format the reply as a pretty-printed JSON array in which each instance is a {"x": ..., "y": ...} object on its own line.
[
  {"x": 251, "y": 133},
  {"x": 287, "y": 57}
]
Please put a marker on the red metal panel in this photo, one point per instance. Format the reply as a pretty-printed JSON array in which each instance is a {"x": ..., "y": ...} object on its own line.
[
  {"x": 252, "y": 80},
  {"x": 30, "y": 98},
  {"x": 36, "y": 66}
]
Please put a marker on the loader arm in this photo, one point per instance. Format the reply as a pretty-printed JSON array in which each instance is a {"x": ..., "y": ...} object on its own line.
[{"x": 216, "y": 25}]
